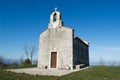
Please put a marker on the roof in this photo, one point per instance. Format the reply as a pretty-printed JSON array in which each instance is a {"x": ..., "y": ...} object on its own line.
[{"x": 84, "y": 42}]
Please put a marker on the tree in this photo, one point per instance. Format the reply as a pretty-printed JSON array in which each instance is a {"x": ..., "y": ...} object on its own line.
[
  {"x": 2, "y": 64},
  {"x": 101, "y": 62},
  {"x": 26, "y": 50},
  {"x": 30, "y": 50},
  {"x": 21, "y": 59},
  {"x": 1, "y": 58},
  {"x": 26, "y": 63}
]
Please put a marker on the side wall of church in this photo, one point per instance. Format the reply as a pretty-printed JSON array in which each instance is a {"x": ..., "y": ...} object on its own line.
[
  {"x": 80, "y": 53},
  {"x": 58, "y": 40}
]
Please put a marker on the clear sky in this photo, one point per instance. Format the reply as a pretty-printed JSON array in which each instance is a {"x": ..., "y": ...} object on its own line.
[{"x": 96, "y": 21}]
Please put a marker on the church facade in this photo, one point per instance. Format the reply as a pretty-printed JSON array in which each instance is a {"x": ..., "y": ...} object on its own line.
[{"x": 59, "y": 48}]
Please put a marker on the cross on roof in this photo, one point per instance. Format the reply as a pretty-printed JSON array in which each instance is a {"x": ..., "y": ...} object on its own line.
[{"x": 56, "y": 9}]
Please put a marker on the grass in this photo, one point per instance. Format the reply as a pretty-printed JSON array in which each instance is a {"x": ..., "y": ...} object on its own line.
[
  {"x": 93, "y": 73},
  {"x": 19, "y": 67}
]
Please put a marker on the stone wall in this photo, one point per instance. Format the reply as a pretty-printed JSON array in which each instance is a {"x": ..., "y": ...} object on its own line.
[
  {"x": 80, "y": 52},
  {"x": 60, "y": 40}
]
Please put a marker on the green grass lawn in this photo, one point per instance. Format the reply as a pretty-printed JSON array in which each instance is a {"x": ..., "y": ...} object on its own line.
[{"x": 93, "y": 73}]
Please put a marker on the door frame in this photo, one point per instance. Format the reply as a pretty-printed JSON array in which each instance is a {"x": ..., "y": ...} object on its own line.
[{"x": 52, "y": 63}]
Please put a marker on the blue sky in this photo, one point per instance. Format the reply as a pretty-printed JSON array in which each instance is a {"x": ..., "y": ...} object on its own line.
[{"x": 96, "y": 21}]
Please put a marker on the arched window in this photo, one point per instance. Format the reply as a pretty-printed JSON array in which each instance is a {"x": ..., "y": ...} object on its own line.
[{"x": 54, "y": 17}]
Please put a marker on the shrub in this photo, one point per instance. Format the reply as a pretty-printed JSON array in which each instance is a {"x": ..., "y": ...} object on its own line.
[
  {"x": 2, "y": 65},
  {"x": 26, "y": 63}
]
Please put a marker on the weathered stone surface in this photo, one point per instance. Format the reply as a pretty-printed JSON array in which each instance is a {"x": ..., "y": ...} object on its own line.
[{"x": 56, "y": 40}]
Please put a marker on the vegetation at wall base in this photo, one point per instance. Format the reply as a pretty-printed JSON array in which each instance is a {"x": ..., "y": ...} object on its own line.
[{"x": 93, "y": 73}]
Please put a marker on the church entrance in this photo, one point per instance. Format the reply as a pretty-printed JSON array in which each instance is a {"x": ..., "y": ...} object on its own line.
[{"x": 53, "y": 59}]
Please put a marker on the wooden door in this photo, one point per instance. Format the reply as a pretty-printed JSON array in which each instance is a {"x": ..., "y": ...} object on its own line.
[{"x": 53, "y": 59}]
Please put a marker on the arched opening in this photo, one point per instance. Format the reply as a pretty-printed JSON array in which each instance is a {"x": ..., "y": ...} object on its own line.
[{"x": 54, "y": 17}]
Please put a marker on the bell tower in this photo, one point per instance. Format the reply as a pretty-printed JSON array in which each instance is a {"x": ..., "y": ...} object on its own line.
[{"x": 55, "y": 20}]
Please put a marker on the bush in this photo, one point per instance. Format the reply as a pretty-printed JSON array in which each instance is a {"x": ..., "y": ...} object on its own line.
[
  {"x": 2, "y": 65},
  {"x": 26, "y": 63}
]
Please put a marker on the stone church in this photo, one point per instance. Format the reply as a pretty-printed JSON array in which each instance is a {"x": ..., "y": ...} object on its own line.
[{"x": 59, "y": 48}]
